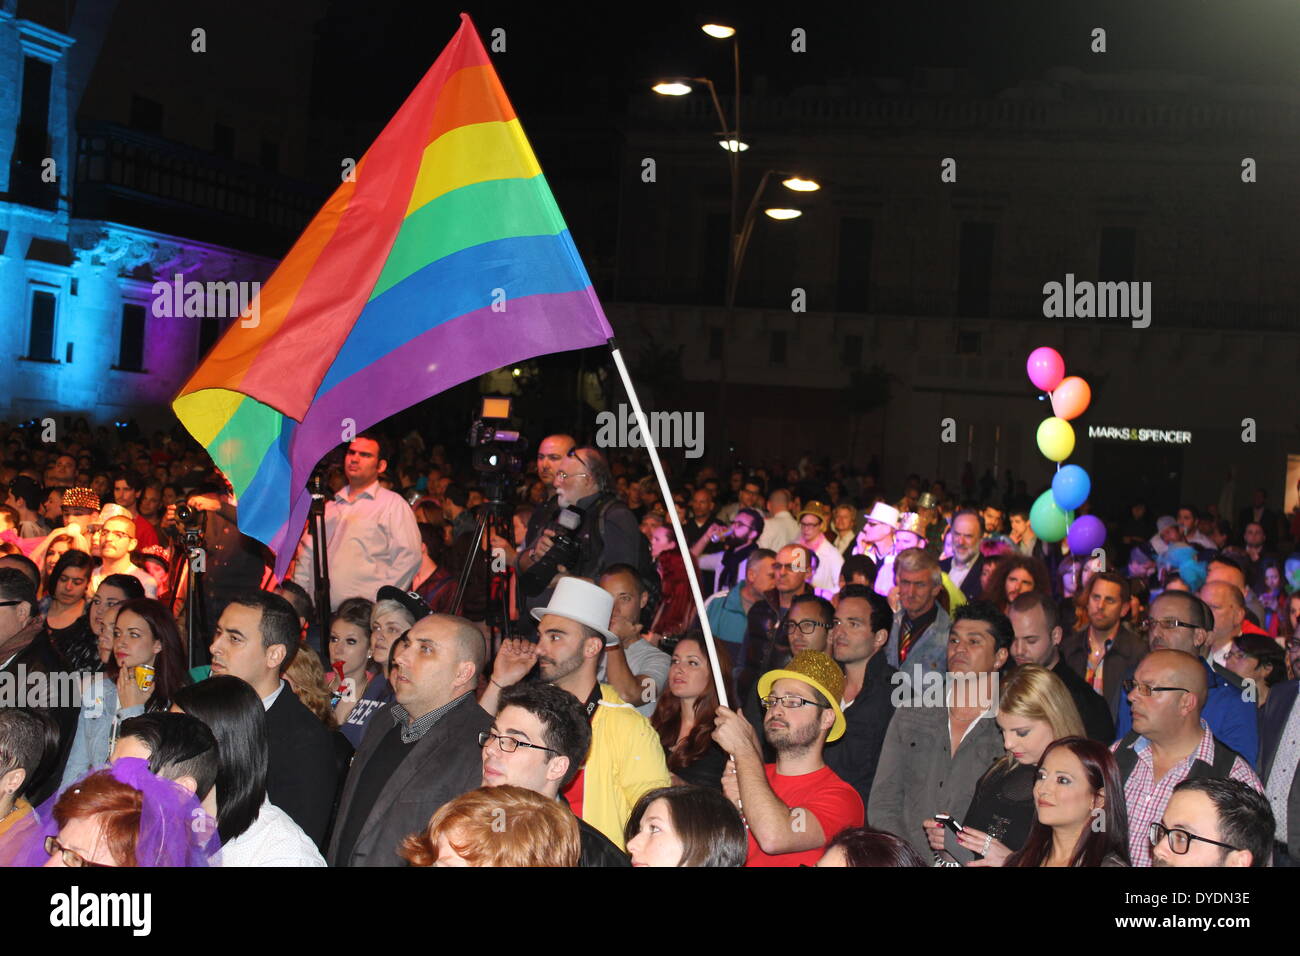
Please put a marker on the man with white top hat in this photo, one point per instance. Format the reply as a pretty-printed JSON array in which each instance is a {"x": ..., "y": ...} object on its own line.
[
  {"x": 626, "y": 759},
  {"x": 876, "y": 541}
]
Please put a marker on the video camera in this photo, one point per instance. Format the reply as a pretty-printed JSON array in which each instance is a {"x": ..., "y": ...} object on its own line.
[{"x": 498, "y": 451}]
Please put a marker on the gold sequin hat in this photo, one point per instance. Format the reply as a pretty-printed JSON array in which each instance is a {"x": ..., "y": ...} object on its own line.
[
  {"x": 80, "y": 498},
  {"x": 817, "y": 510},
  {"x": 927, "y": 500},
  {"x": 910, "y": 521},
  {"x": 819, "y": 671}
]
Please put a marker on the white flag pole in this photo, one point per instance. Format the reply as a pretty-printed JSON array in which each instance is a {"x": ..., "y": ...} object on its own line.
[{"x": 648, "y": 437}]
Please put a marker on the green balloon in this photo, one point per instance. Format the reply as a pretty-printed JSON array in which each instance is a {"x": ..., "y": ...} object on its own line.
[{"x": 1049, "y": 522}]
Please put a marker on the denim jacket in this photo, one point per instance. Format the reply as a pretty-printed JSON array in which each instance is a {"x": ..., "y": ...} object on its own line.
[{"x": 96, "y": 728}]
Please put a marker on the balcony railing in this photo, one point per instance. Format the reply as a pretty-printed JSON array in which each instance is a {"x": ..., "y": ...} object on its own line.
[{"x": 145, "y": 181}]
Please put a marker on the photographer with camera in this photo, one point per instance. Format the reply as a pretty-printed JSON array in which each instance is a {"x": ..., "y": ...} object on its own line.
[
  {"x": 233, "y": 562},
  {"x": 591, "y": 529}
]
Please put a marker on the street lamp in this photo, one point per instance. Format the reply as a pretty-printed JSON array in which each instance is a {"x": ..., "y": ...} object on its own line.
[{"x": 739, "y": 229}]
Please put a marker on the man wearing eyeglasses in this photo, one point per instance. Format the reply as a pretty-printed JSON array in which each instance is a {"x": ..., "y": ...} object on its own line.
[
  {"x": 739, "y": 540},
  {"x": 1169, "y": 742},
  {"x": 807, "y": 628},
  {"x": 795, "y": 805},
  {"x": 1216, "y": 823},
  {"x": 1181, "y": 621},
  {"x": 766, "y": 641},
  {"x": 116, "y": 542},
  {"x": 539, "y": 740}
]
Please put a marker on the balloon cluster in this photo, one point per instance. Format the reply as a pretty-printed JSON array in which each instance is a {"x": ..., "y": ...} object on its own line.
[{"x": 1052, "y": 515}]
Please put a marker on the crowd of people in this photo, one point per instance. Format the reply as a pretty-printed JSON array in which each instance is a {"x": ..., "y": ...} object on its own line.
[{"x": 892, "y": 680}]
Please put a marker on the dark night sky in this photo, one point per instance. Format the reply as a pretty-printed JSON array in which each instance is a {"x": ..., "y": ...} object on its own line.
[{"x": 586, "y": 60}]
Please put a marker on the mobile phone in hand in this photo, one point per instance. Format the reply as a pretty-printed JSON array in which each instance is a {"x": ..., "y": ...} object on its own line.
[{"x": 946, "y": 819}]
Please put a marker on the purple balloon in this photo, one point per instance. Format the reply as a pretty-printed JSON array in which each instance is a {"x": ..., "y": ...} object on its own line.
[{"x": 1087, "y": 534}]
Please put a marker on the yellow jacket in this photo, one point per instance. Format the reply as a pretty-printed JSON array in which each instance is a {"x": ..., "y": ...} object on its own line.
[{"x": 625, "y": 761}]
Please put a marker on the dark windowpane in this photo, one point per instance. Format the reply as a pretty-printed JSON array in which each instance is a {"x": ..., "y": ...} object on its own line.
[
  {"x": 41, "y": 343},
  {"x": 777, "y": 354},
  {"x": 1115, "y": 260},
  {"x": 715, "y": 345},
  {"x": 223, "y": 140},
  {"x": 32, "y": 140},
  {"x": 131, "y": 348},
  {"x": 713, "y": 259},
  {"x": 975, "y": 275},
  {"x": 853, "y": 286},
  {"x": 146, "y": 114},
  {"x": 209, "y": 332},
  {"x": 270, "y": 156},
  {"x": 968, "y": 343},
  {"x": 852, "y": 354}
]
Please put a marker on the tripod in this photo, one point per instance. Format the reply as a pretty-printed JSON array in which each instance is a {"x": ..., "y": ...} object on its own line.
[
  {"x": 320, "y": 564},
  {"x": 492, "y": 519},
  {"x": 190, "y": 564}
]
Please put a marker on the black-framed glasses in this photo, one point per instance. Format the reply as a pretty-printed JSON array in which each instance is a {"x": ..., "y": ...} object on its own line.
[
  {"x": 805, "y": 627},
  {"x": 70, "y": 857},
  {"x": 1149, "y": 624},
  {"x": 1180, "y": 841},
  {"x": 789, "y": 702},
  {"x": 1146, "y": 690},
  {"x": 509, "y": 745}
]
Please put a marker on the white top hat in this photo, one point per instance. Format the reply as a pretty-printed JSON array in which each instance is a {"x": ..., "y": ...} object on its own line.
[
  {"x": 885, "y": 514},
  {"x": 581, "y": 601}
]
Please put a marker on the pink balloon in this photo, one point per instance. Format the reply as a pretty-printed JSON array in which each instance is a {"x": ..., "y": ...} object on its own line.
[
  {"x": 1071, "y": 397},
  {"x": 1046, "y": 368}
]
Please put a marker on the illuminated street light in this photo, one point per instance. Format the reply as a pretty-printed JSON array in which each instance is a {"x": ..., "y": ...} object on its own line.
[
  {"x": 732, "y": 145},
  {"x": 801, "y": 185},
  {"x": 782, "y": 214},
  {"x": 672, "y": 88},
  {"x": 718, "y": 31}
]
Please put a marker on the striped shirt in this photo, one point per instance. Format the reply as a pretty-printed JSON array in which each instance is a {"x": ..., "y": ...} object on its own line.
[{"x": 1146, "y": 798}]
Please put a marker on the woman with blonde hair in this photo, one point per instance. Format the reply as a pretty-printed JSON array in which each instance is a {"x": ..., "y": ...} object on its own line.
[
  {"x": 1034, "y": 709},
  {"x": 497, "y": 826},
  {"x": 306, "y": 678}
]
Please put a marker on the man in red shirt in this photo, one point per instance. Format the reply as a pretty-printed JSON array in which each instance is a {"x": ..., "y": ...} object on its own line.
[{"x": 796, "y": 806}]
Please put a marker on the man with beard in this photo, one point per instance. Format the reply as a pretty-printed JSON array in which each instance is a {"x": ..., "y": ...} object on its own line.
[
  {"x": 796, "y": 805},
  {"x": 626, "y": 759},
  {"x": 964, "y": 567},
  {"x": 739, "y": 542}
]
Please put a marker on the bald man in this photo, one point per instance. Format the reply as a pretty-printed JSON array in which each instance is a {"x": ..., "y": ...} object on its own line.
[
  {"x": 1181, "y": 621},
  {"x": 1169, "y": 742},
  {"x": 418, "y": 752},
  {"x": 1229, "y": 607}
]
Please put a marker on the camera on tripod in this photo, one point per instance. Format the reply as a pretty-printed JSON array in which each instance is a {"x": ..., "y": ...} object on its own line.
[
  {"x": 498, "y": 450},
  {"x": 191, "y": 519}
]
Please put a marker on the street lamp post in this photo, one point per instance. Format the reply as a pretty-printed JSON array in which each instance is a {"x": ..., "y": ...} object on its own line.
[{"x": 738, "y": 234}]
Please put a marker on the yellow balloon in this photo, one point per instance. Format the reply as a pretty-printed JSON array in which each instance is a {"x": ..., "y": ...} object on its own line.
[{"x": 1055, "y": 439}]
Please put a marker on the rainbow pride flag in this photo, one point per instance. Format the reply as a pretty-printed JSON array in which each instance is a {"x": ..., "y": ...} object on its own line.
[{"x": 445, "y": 259}]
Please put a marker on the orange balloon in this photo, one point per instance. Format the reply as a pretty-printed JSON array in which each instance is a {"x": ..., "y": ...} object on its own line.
[{"x": 1071, "y": 398}]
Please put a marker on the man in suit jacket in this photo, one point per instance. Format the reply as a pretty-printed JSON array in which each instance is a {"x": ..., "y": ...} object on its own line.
[
  {"x": 1106, "y": 645},
  {"x": 1279, "y": 737},
  {"x": 256, "y": 638},
  {"x": 1038, "y": 641},
  {"x": 965, "y": 566},
  {"x": 918, "y": 639},
  {"x": 419, "y": 752},
  {"x": 25, "y": 649}
]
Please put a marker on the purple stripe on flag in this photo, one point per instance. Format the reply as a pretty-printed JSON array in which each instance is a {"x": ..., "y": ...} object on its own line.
[{"x": 444, "y": 356}]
